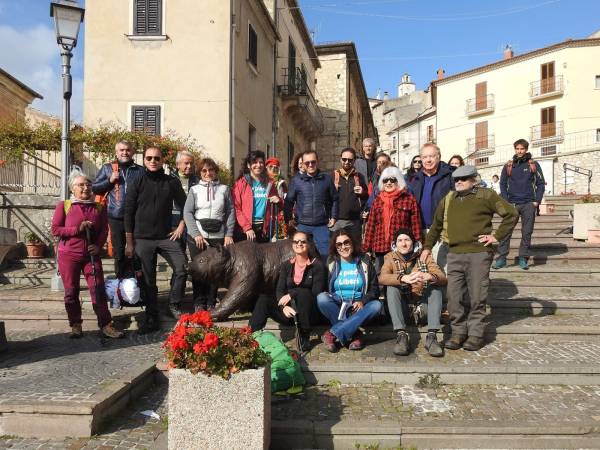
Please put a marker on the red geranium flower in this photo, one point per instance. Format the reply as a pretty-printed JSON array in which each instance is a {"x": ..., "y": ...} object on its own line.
[
  {"x": 246, "y": 330},
  {"x": 202, "y": 318},
  {"x": 211, "y": 340},
  {"x": 199, "y": 348}
]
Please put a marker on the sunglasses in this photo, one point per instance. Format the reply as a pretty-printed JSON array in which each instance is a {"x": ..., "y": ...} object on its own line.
[
  {"x": 310, "y": 163},
  {"x": 207, "y": 170},
  {"x": 299, "y": 242},
  {"x": 389, "y": 180},
  {"x": 153, "y": 158},
  {"x": 461, "y": 179},
  {"x": 347, "y": 160},
  {"x": 418, "y": 162},
  {"x": 346, "y": 243}
]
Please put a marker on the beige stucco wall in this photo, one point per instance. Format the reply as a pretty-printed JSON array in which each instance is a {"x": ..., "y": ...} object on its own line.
[{"x": 187, "y": 73}]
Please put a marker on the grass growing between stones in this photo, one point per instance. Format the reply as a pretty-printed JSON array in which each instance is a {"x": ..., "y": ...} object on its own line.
[{"x": 431, "y": 381}]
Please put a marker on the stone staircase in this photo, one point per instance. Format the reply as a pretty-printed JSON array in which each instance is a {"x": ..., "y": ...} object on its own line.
[{"x": 535, "y": 385}]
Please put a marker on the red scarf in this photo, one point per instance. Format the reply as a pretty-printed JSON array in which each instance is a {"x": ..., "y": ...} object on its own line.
[{"x": 388, "y": 199}]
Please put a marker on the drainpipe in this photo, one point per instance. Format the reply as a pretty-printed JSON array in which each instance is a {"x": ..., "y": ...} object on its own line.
[
  {"x": 232, "y": 85},
  {"x": 274, "y": 121}
]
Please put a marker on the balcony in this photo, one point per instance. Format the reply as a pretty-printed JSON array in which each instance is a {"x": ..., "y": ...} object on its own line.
[
  {"x": 479, "y": 150},
  {"x": 480, "y": 105},
  {"x": 548, "y": 133},
  {"x": 299, "y": 103},
  {"x": 546, "y": 88}
]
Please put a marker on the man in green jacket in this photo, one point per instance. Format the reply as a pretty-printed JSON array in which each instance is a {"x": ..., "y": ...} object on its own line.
[{"x": 464, "y": 219}]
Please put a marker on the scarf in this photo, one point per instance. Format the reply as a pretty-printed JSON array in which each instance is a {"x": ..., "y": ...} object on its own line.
[
  {"x": 344, "y": 173},
  {"x": 388, "y": 199}
]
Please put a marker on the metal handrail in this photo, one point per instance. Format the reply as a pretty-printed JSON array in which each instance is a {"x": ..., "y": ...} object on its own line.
[
  {"x": 296, "y": 86},
  {"x": 545, "y": 86},
  {"x": 577, "y": 170},
  {"x": 547, "y": 131},
  {"x": 480, "y": 104}
]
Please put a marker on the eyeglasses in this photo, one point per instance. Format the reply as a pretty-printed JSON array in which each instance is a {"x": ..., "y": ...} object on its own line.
[
  {"x": 418, "y": 162},
  {"x": 299, "y": 242},
  {"x": 207, "y": 170},
  {"x": 461, "y": 179},
  {"x": 348, "y": 160},
  {"x": 81, "y": 185},
  {"x": 389, "y": 180},
  {"x": 346, "y": 243},
  {"x": 312, "y": 162},
  {"x": 153, "y": 158}
]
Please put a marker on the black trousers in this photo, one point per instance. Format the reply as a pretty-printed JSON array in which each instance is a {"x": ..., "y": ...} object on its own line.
[
  {"x": 117, "y": 236},
  {"x": 147, "y": 251},
  {"x": 266, "y": 306},
  {"x": 205, "y": 294}
]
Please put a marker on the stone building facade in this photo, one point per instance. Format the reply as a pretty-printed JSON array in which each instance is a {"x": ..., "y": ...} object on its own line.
[{"x": 343, "y": 100}]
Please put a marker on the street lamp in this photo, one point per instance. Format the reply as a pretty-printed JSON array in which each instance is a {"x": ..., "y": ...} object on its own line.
[{"x": 67, "y": 18}]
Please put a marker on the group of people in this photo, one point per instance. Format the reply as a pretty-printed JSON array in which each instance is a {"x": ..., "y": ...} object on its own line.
[{"x": 367, "y": 240}]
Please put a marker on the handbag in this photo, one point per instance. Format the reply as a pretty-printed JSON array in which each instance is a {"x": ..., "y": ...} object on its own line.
[{"x": 211, "y": 225}]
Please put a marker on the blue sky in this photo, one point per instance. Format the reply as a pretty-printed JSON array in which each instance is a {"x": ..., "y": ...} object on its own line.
[{"x": 392, "y": 37}]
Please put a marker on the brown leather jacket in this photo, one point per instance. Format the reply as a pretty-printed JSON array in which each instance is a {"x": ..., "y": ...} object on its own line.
[{"x": 393, "y": 263}]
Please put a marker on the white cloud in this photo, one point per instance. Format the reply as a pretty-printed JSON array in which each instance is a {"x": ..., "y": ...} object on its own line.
[{"x": 32, "y": 56}]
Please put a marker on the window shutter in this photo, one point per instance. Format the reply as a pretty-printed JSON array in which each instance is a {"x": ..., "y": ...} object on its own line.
[
  {"x": 481, "y": 96},
  {"x": 147, "y": 17},
  {"x": 481, "y": 135},
  {"x": 146, "y": 119}
]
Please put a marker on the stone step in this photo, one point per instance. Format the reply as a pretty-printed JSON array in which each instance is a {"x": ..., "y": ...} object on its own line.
[{"x": 388, "y": 415}]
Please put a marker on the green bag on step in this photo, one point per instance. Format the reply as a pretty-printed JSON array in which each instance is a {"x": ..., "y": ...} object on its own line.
[{"x": 285, "y": 370}]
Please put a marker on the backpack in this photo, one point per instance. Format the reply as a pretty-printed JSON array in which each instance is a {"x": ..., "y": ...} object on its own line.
[
  {"x": 68, "y": 203},
  {"x": 286, "y": 373},
  {"x": 532, "y": 166},
  {"x": 103, "y": 198},
  {"x": 336, "y": 182}
]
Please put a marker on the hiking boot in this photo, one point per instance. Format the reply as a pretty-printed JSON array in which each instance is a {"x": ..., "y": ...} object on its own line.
[
  {"x": 174, "y": 309},
  {"x": 150, "y": 325},
  {"x": 499, "y": 263},
  {"x": 473, "y": 344},
  {"x": 328, "y": 339},
  {"x": 455, "y": 342},
  {"x": 358, "y": 341},
  {"x": 109, "y": 331},
  {"x": 76, "y": 331},
  {"x": 523, "y": 264},
  {"x": 402, "y": 347},
  {"x": 433, "y": 346},
  {"x": 304, "y": 341}
]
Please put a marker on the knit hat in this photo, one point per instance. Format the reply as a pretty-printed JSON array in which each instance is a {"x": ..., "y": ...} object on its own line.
[
  {"x": 272, "y": 162},
  {"x": 405, "y": 231}
]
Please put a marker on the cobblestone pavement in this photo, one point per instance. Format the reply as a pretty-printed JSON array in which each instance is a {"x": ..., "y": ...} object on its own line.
[
  {"x": 129, "y": 430},
  {"x": 53, "y": 367},
  {"x": 481, "y": 403}
]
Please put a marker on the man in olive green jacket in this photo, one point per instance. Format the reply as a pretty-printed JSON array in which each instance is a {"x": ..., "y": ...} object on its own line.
[{"x": 464, "y": 219}]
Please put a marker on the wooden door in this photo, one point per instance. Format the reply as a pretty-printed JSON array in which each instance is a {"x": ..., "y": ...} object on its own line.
[
  {"x": 481, "y": 96},
  {"x": 548, "y": 122},
  {"x": 548, "y": 80},
  {"x": 481, "y": 135}
]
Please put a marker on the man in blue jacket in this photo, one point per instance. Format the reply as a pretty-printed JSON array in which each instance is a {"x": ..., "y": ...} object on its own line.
[
  {"x": 522, "y": 184},
  {"x": 113, "y": 179},
  {"x": 315, "y": 198}
]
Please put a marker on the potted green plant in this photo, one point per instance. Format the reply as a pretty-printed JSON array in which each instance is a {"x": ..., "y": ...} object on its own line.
[
  {"x": 219, "y": 386},
  {"x": 34, "y": 245},
  {"x": 586, "y": 216}
]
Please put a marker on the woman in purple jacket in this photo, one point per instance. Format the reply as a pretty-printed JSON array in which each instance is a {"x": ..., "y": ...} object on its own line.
[{"x": 70, "y": 222}]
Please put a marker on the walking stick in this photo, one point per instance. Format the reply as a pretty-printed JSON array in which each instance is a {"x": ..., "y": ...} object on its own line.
[
  {"x": 271, "y": 222},
  {"x": 298, "y": 346}
]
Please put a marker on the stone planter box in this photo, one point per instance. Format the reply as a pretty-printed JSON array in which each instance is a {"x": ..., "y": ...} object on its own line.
[
  {"x": 213, "y": 413},
  {"x": 586, "y": 217}
]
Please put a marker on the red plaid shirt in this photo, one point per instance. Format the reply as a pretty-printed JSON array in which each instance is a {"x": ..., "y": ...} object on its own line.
[{"x": 406, "y": 215}]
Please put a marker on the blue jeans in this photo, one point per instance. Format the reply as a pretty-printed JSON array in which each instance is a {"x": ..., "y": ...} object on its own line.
[
  {"x": 343, "y": 330},
  {"x": 320, "y": 234}
]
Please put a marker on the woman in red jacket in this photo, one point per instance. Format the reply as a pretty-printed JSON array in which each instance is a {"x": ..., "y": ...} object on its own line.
[
  {"x": 394, "y": 208},
  {"x": 70, "y": 222},
  {"x": 255, "y": 201}
]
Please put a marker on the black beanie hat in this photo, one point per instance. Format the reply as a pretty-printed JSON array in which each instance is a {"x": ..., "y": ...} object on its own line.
[{"x": 405, "y": 231}]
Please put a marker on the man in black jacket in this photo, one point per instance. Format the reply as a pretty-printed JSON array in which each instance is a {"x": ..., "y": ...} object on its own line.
[{"x": 148, "y": 232}]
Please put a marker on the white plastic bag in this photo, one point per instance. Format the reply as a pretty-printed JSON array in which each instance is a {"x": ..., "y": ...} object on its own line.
[{"x": 128, "y": 291}]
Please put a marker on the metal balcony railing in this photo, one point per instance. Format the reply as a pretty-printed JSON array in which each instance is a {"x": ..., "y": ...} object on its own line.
[
  {"x": 546, "y": 87},
  {"x": 295, "y": 85},
  {"x": 550, "y": 131},
  {"x": 480, "y": 105},
  {"x": 479, "y": 149}
]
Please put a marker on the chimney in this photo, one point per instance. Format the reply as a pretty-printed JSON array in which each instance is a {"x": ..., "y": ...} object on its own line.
[
  {"x": 440, "y": 73},
  {"x": 386, "y": 95},
  {"x": 508, "y": 52}
]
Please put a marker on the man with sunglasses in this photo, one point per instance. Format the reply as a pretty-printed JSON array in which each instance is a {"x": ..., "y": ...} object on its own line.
[
  {"x": 464, "y": 218},
  {"x": 148, "y": 232},
  {"x": 111, "y": 183},
  {"x": 315, "y": 199},
  {"x": 352, "y": 192}
]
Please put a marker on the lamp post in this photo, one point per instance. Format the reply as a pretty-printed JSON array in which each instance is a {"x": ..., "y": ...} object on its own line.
[{"x": 67, "y": 19}]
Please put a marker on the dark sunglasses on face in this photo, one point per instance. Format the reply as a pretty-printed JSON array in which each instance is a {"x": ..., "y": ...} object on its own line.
[
  {"x": 389, "y": 180},
  {"x": 153, "y": 158},
  {"x": 418, "y": 162},
  {"x": 310, "y": 163},
  {"x": 348, "y": 160},
  {"x": 346, "y": 243},
  {"x": 299, "y": 242},
  {"x": 461, "y": 179}
]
